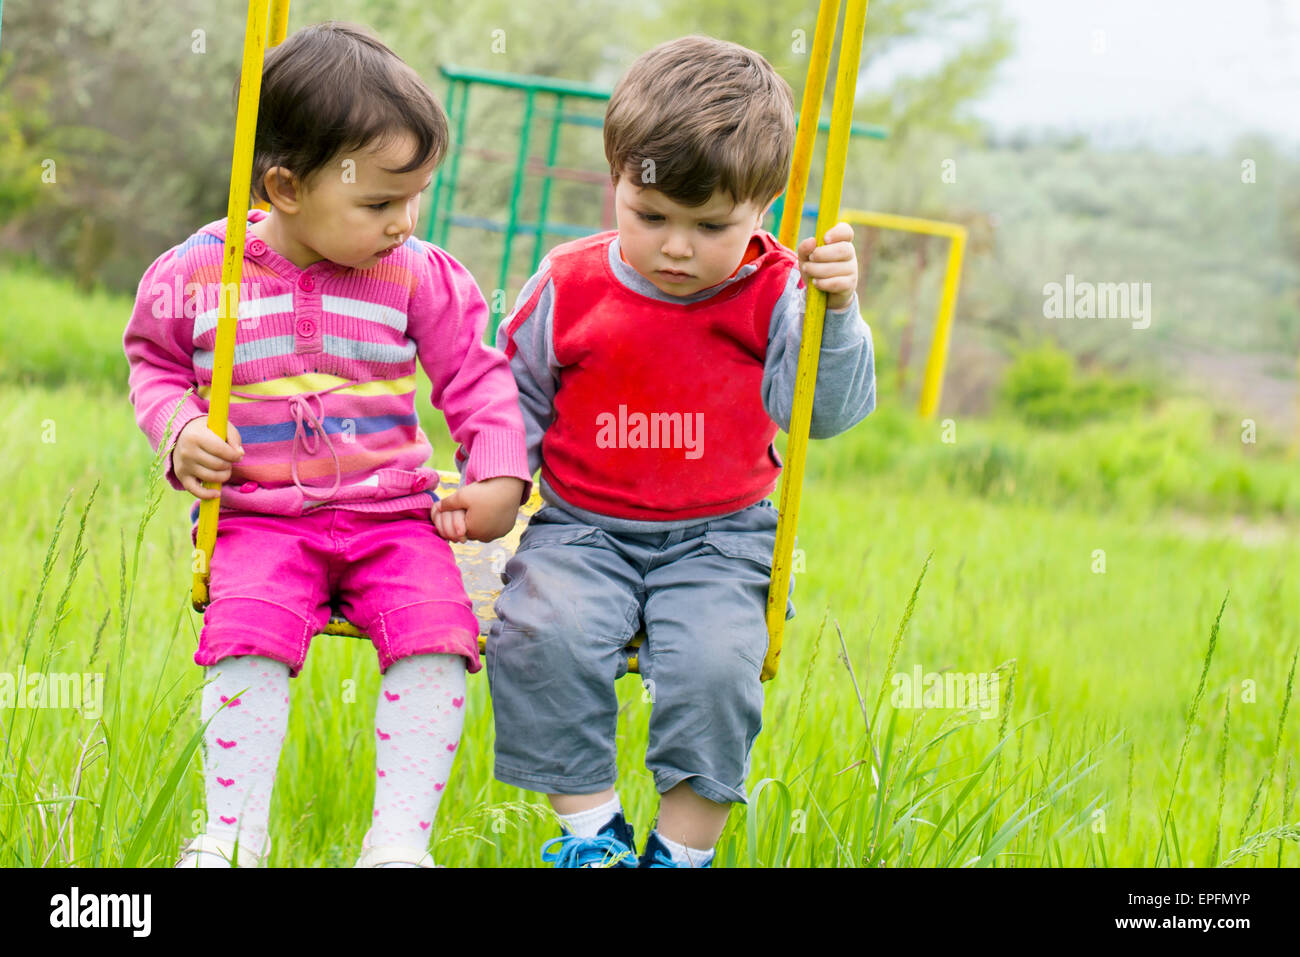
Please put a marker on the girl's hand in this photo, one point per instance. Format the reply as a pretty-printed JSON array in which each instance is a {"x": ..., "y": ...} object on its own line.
[
  {"x": 483, "y": 511},
  {"x": 199, "y": 456},
  {"x": 833, "y": 267}
]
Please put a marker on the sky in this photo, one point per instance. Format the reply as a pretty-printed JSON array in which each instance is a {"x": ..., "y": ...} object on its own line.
[{"x": 1162, "y": 73}]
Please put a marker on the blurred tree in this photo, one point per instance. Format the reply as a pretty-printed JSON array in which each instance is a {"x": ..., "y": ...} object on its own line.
[
  {"x": 135, "y": 108},
  {"x": 21, "y": 128}
]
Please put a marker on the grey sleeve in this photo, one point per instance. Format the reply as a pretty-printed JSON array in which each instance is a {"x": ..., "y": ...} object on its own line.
[
  {"x": 846, "y": 370},
  {"x": 533, "y": 361}
]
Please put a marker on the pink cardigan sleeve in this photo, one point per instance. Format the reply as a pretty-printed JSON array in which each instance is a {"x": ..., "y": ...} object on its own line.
[
  {"x": 472, "y": 382},
  {"x": 159, "y": 347}
]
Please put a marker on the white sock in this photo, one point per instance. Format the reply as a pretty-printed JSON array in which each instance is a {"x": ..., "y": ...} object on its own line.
[
  {"x": 418, "y": 721},
  {"x": 243, "y": 747},
  {"x": 588, "y": 823},
  {"x": 686, "y": 856}
]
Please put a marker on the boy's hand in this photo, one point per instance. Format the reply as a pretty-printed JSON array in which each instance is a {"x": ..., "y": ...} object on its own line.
[
  {"x": 199, "y": 456},
  {"x": 483, "y": 511},
  {"x": 833, "y": 267}
]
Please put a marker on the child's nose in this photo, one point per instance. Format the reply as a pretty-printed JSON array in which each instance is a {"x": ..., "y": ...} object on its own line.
[
  {"x": 677, "y": 247},
  {"x": 404, "y": 223}
]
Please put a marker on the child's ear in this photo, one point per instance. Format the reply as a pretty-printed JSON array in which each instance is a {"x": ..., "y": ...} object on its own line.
[{"x": 283, "y": 189}]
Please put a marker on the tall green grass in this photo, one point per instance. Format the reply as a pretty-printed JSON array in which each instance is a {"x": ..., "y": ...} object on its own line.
[
  {"x": 1091, "y": 734},
  {"x": 53, "y": 335}
]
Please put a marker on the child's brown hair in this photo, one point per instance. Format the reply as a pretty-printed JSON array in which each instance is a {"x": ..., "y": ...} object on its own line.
[
  {"x": 336, "y": 88},
  {"x": 698, "y": 114}
]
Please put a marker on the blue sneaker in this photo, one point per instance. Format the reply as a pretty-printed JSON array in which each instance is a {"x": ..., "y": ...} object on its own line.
[
  {"x": 613, "y": 846},
  {"x": 656, "y": 855}
]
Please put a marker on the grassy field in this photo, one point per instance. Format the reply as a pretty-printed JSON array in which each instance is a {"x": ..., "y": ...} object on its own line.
[{"x": 1130, "y": 584}]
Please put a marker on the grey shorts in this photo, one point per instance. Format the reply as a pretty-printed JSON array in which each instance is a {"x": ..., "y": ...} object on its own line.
[{"x": 575, "y": 594}]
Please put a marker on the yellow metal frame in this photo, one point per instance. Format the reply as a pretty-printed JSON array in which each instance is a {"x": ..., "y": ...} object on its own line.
[
  {"x": 259, "y": 30},
  {"x": 276, "y": 33},
  {"x": 932, "y": 387},
  {"x": 232, "y": 266},
  {"x": 846, "y": 82}
]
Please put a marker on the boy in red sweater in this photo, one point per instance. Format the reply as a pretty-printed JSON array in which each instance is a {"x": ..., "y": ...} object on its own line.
[{"x": 654, "y": 366}]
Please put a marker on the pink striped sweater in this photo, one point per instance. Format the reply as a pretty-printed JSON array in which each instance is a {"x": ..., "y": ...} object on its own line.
[{"x": 324, "y": 380}]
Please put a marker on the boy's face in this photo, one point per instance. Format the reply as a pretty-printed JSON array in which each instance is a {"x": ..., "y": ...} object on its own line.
[
  {"x": 682, "y": 249},
  {"x": 352, "y": 212}
]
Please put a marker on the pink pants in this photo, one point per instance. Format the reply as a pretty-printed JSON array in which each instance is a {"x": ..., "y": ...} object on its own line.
[{"x": 391, "y": 575}]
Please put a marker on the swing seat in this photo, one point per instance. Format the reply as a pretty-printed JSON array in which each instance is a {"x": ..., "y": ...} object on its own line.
[{"x": 481, "y": 565}]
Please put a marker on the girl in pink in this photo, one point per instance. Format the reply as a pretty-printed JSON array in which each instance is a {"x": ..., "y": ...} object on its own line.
[{"x": 325, "y": 492}]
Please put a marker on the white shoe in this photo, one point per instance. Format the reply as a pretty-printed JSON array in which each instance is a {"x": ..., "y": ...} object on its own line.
[
  {"x": 392, "y": 854},
  {"x": 208, "y": 851}
]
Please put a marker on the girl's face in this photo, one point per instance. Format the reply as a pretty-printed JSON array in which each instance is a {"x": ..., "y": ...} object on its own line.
[
  {"x": 682, "y": 249},
  {"x": 354, "y": 211}
]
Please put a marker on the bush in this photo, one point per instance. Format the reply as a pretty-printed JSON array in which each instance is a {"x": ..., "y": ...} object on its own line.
[
  {"x": 1042, "y": 387},
  {"x": 23, "y": 119}
]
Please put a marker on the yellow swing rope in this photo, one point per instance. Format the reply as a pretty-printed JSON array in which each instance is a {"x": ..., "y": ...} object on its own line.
[{"x": 846, "y": 82}]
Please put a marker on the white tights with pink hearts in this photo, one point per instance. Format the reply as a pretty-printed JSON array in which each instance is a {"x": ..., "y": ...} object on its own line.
[
  {"x": 243, "y": 747},
  {"x": 418, "y": 721}
]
